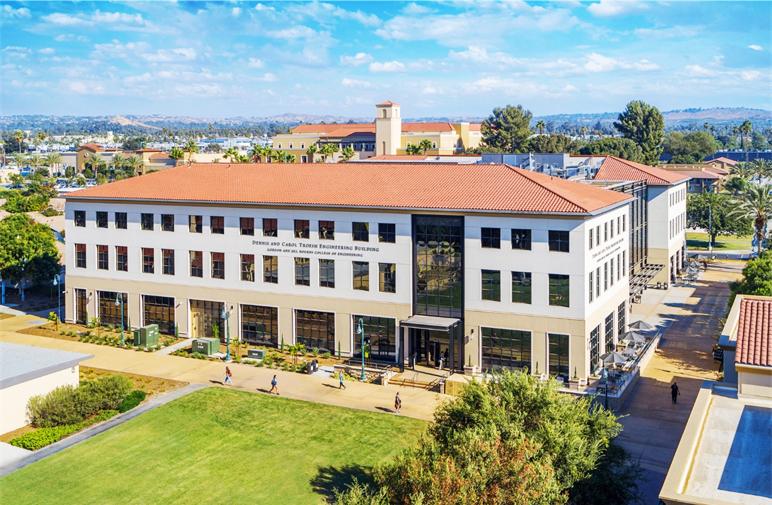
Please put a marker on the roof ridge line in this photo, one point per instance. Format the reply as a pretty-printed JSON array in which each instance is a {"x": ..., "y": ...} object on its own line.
[{"x": 544, "y": 187}]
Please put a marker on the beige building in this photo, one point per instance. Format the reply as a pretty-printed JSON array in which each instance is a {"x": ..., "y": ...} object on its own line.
[
  {"x": 387, "y": 135},
  {"x": 725, "y": 453}
]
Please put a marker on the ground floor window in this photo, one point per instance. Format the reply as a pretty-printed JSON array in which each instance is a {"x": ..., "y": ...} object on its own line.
[
  {"x": 594, "y": 348},
  {"x": 609, "y": 323},
  {"x": 315, "y": 329},
  {"x": 621, "y": 321},
  {"x": 505, "y": 349},
  {"x": 558, "y": 355},
  {"x": 380, "y": 337},
  {"x": 206, "y": 318},
  {"x": 260, "y": 325},
  {"x": 159, "y": 310},
  {"x": 109, "y": 312},
  {"x": 81, "y": 307}
]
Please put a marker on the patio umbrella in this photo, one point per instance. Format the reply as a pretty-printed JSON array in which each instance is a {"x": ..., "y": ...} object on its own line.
[
  {"x": 614, "y": 357},
  {"x": 629, "y": 351},
  {"x": 633, "y": 337},
  {"x": 641, "y": 325},
  {"x": 699, "y": 257}
]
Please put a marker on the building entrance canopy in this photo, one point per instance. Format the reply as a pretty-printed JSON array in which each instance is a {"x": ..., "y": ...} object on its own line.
[
  {"x": 432, "y": 340},
  {"x": 432, "y": 323}
]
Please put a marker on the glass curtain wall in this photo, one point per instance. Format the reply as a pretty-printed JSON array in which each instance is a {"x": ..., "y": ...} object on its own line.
[
  {"x": 315, "y": 329},
  {"x": 205, "y": 315},
  {"x": 159, "y": 310},
  {"x": 260, "y": 325},
  {"x": 558, "y": 355},
  {"x": 381, "y": 333},
  {"x": 109, "y": 312},
  {"x": 439, "y": 251},
  {"x": 505, "y": 349}
]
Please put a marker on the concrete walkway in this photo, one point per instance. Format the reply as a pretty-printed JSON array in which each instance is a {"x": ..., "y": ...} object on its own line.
[
  {"x": 92, "y": 431},
  {"x": 416, "y": 403},
  {"x": 176, "y": 347},
  {"x": 654, "y": 425}
]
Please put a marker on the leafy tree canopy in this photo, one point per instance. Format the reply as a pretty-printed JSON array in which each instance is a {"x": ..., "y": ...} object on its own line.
[
  {"x": 621, "y": 148},
  {"x": 692, "y": 147},
  {"x": 644, "y": 125},
  {"x": 552, "y": 143},
  {"x": 757, "y": 278},
  {"x": 711, "y": 211},
  {"x": 134, "y": 143},
  {"x": 507, "y": 128},
  {"x": 24, "y": 238}
]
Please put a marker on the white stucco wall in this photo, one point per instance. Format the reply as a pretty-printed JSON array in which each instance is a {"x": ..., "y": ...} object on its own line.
[{"x": 14, "y": 399}]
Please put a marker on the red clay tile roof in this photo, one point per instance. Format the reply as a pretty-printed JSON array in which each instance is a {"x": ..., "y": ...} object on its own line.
[
  {"x": 159, "y": 155},
  {"x": 697, "y": 174},
  {"x": 427, "y": 127},
  {"x": 754, "y": 332},
  {"x": 91, "y": 147},
  {"x": 496, "y": 188},
  {"x": 345, "y": 129},
  {"x": 474, "y": 127},
  {"x": 717, "y": 170},
  {"x": 723, "y": 160},
  {"x": 617, "y": 169},
  {"x": 387, "y": 102},
  {"x": 397, "y": 157},
  {"x": 324, "y": 128},
  {"x": 148, "y": 150}
]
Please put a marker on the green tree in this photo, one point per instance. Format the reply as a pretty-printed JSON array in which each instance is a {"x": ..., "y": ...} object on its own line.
[
  {"x": 758, "y": 141},
  {"x": 757, "y": 278},
  {"x": 19, "y": 136},
  {"x": 131, "y": 144},
  {"x": 191, "y": 147},
  {"x": 736, "y": 185},
  {"x": 746, "y": 128},
  {"x": 507, "y": 128},
  {"x": 176, "y": 154},
  {"x": 754, "y": 204},
  {"x": 19, "y": 159},
  {"x": 329, "y": 150},
  {"x": 347, "y": 153},
  {"x": 311, "y": 152},
  {"x": 711, "y": 211},
  {"x": 413, "y": 149},
  {"x": 23, "y": 238},
  {"x": 553, "y": 143},
  {"x": 132, "y": 164},
  {"x": 54, "y": 160},
  {"x": 213, "y": 148},
  {"x": 760, "y": 168},
  {"x": 425, "y": 145},
  {"x": 540, "y": 126},
  {"x": 621, "y": 148},
  {"x": 94, "y": 161},
  {"x": 690, "y": 148},
  {"x": 644, "y": 125},
  {"x": 231, "y": 153}
]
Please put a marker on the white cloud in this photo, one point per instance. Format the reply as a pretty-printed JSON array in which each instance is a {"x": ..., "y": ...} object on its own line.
[
  {"x": 263, "y": 8},
  {"x": 645, "y": 65},
  {"x": 60, "y": 19},
  {"x": 698, "y": 71},
  {"x": 668, "y": 33},
  {"x": 170, "y": 55},
  {"x": 356, "y": 60},
  {"x": 325, "y": 13},
  {"x": 236, "y": 12},
  {"x": 352, "y": 83},
  {"x": 614, "y": 8},
  {"x": 414, "y": 8},
  {"x": 64, "y": 37},
  {"x": 750, "y": 75},
  {"x": 6, "y": 11},
  {"x": 268, "y": 77},
  {"x": 47, "y": 50},
  {"x": 117, "y": 20},
  {"x": 388, "y": 66},
  {"x": 133, "y": 51},
  {"x": 295, "y": 32},
  {"x": 255, "y": 63},
  {"x": 84, "y": 88},
  {"x": 755, "y": 47},
  {"x": 598, "y": 63}
]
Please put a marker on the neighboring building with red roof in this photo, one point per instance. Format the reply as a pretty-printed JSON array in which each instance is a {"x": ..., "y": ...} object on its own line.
[
  {"x": 666, "y": 212},
  {"x": 386, "y": 135},
  {"x": 482, "y": 263},
  {"x": 722, "y": 162},
  {"x": 703, "y": 177}
]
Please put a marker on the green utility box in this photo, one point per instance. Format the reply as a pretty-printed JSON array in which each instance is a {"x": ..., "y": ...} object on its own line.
[
  {"x": 146, "y": 336},
  {"x": 207, "y": 346},
  {"x": 256, "y": 354}
]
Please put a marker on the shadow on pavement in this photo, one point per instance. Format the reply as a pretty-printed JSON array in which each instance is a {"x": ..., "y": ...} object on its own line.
[
  {"x": 385, "y": 409},
  {"x": 330, "y": 478}
]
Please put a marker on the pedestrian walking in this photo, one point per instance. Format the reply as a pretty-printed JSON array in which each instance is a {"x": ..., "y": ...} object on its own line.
[
  {"x": 340, "y": 381},
  {"x": 674, "y": 392},
  {"x": 274, "y": 386},
  {"x": 397, "y": 404},
  {"x": 441, "y": 358},
  {"x": 228, "y": 375}
]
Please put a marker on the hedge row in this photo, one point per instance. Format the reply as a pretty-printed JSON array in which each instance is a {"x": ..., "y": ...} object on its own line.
[
  {"x": 132, "y": 400},
  {"x": 45, "y": 436}
]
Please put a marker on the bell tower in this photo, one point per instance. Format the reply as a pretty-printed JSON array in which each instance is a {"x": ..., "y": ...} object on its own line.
[{"x": 388, "y": 128}]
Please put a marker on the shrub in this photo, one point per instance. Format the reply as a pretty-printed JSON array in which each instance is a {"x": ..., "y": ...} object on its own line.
[
  {"x": 315, "y": 352},
  {"x": 303, "y": 367},
  {"x": 46, "y": 436},
  {"x": 132, "y": 400},
  {"x": 199, "y": 355},
  {"x": 292, "y": 368},
  {"x": 327, "y": 355},
  {"x": 285, "y": 366},
  {"x": 57, "y": 408}
]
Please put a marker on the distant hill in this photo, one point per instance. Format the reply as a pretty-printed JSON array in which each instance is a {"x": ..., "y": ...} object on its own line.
[{"x": 675, "y": 118}]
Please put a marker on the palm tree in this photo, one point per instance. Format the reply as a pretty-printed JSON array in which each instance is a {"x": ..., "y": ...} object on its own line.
[
  {"x": 176, "y": 154},
  {"x": 736, "y": 185},
  {"x": 42, "y": 136},
  {"x": 19, "y": 136},
  {"x": 713, "y": 130},
  {"x": 53, "y": 160},
  {"x": 735, "y": 131},
  {"x": 760, "y": 168},
  {"x": 230, "y": 153},
  {"x": 191, "y": 148},
  {"x": 706, "y": 126},
  {"x": 746, "y": 128},
  {"x": 311, "y": 152},
  {"x": 117, "y": 163},
  {"x": 19, "y": 159},
  {"x": 584, "y": 132},
  {"x": 35, "y": 160},
  {"x": 413, "y": 149},
  {"x": 94, "y": 160},
  {"x": 255, "y": 153},
  {"x": 755, "y": 204},
  {"x": 330, "y": 150},
  {"x": 425, "y": 144},
  {"x": 347, "y": 153},
  {"x": 132, "y": 164},
  {"x": 540, "y": 125}
]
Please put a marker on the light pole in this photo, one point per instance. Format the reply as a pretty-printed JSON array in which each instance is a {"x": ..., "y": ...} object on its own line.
[
  {"x": 605, "y": 378},
  {"x": 119, "y": 301},
  {"x": 58, "y": 296},
  {"x": 710, "y": 231},
  {"x": 21, "y": 282},
  {"x": 226, "y": 316},
  {"x": 360, "y": 328}
]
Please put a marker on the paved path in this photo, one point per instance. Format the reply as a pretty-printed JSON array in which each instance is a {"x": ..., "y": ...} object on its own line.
[
  {"x": 93, "y": 431},
  {"x": 176, "y": 347},
  {"x": 653, "y": 425},
  {"x": 416, "y": 403}
]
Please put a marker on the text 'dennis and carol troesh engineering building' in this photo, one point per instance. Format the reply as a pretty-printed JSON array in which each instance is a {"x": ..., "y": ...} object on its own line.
[{"x": 488, "y": 264}]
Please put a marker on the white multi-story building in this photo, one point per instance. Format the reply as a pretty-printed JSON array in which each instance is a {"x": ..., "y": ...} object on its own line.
[{"x": 487, "y": 264}]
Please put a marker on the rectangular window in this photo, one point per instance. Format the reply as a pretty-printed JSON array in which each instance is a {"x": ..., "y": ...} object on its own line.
[
  {"x": 605, "y": 276},
  {"x": 611, "y": 269},
  {"x": 110, "y": 311},
  {"x": 147, "y": 222},
  {"x": 597, "y": 234},
  {"x": 619, "y": 224},
  {"x": 621, "y": 320},
  {"x": 248, "y": 267},
  {"x": 491, "y": 285},
  {"x": 103, "y": 260},
  {"x": 360, "y": 232},
  {"x": 361, "y": 275},
  {"x": 380, "y": 337},
  {"x": 611, "y": 227},
  {"x": 592, "y": 289},
  {"x": 558, "y": 241},
  {"x": 196, "y": 263},
  {"x": 490, "y": 238},
  {"x": 302, "y": 271},
  {"x": 327, "y": 230},
  {"x": 122, "y": 258},
  {"x": 521, "y": 287},
  {"x": 271, "y": 269},
  {"x": 168, "y": 258},
  {"x": 597, "y": 282},
  {"x": 505, "y": 349},
  {"x": 591, "y": 242},
  {"x": 327, "y": 273},
  {"x": 218, "y": 265},
  {"x": 260, "y": 325},
  {"x": 148, "y": 260},
  {"x": 619, "y": 266},
  {"x": 101, "y": 219},
  {"x": 387, "y": 232},
  {"x": 167, "y": 222},
  {"x": 195, "y": 224},
  {"x": 624, "y": 223},
  {"x": 624, "y": 262},
  {"x": 521, "y": 239},
  {"x": 594, "y": 348},
  {"x": 387, "y": 277},
  {"x": 270, "y": 228},
  {"x": 302, "y": 228},
  {"x": 217, "y": 225},
  {"x": 80, "y": 218},
  {"x": 121, "y": 220},
  {"x": 605, "y": 232},
  {"x": 610, "y": 332},
  {"x": 159, "y": 310},
  {"x": 559, "y": 290},
  {"x": 558, "y": 355},
  {"x": 315, "y": 330},
  {"x": 247, "y": 226}
]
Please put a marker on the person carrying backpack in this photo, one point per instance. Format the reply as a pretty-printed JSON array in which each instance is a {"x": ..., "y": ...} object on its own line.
[
  {"x": 274, "y": 386},
  {"x": 228, "y": 375},
  {"x": 397, "y": 404}
]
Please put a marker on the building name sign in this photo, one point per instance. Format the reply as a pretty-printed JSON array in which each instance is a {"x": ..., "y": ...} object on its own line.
[
  {"x": 611, "y": 249},
  {"x": 315, "y": 248}
]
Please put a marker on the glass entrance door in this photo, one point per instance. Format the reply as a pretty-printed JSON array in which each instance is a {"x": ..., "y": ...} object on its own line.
[
  {"x": 427, "y": 346},
  {"x": 81, "y": 313}
]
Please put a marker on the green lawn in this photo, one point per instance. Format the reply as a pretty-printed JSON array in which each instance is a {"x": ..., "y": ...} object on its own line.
[
  {"x": 699, "y": 241},
  {"x": 217, "y": 446}
]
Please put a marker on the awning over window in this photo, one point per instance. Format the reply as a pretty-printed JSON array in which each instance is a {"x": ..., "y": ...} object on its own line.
[{"x": 432, "y": 323}]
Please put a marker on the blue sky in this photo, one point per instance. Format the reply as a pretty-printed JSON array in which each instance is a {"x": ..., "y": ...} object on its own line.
[{"x": 226, "y": 59}]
